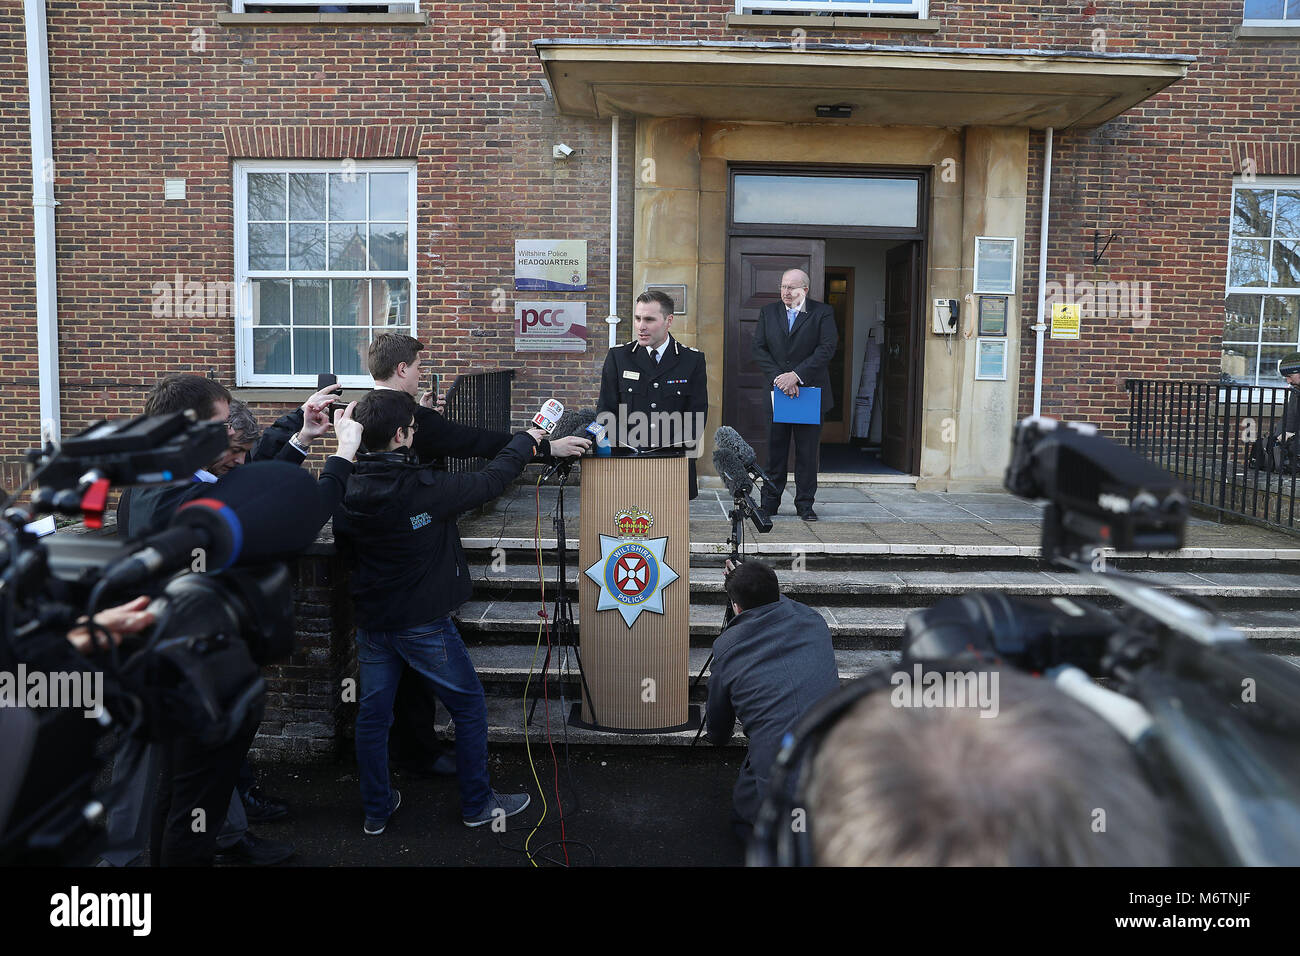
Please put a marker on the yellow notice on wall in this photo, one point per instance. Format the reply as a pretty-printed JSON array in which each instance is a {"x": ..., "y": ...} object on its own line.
[{"x": 1065, "y": 321}]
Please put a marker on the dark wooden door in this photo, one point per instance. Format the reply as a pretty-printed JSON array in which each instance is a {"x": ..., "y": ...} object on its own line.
[
  {"x": 901, "y": 361},
  {"x": 839, "y": 296},
  {"x": 754, "y": 268}
]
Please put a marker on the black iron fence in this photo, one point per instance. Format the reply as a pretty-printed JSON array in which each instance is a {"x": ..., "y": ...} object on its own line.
[
  {"x": 1206, "y": 433},
  {"x": 480, "y": 400}
]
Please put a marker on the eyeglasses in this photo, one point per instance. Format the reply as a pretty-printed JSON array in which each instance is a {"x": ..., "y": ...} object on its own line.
[
  {"x": 413, "y": 427},
  {"x": 792, "y": 288}
]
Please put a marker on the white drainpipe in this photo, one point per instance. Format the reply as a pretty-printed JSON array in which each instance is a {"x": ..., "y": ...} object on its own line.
[
  {"x": 47, "y": 304},
  {"x": 1041, "y": 327},
  {"x": 612, "y": 318}
]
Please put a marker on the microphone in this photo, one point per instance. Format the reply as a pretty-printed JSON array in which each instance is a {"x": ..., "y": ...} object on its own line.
[
  {"x": 252, "y": 515},
  {"x": 581, "y": 423},
  {"x": 738, "y": 482},
  {"x": 549, "y": 415},
  {"x": 732, "y": 471},
  {"x": 729, "y": 438}
]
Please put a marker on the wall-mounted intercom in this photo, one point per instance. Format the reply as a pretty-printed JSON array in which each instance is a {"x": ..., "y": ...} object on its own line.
[{"x": 947, "y": 313}]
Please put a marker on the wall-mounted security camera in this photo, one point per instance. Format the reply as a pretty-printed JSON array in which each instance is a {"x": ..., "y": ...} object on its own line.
[{"x": 561, "y": 151}]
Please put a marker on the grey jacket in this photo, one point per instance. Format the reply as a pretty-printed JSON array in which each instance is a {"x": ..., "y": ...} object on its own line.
[{"x": 770, "y": 667}]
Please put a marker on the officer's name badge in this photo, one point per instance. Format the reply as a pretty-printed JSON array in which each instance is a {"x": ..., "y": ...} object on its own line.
[{"x": 628, "y": 374}]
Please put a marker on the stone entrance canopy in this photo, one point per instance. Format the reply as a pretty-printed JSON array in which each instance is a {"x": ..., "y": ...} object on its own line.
[{"x": 883, "y": 85}]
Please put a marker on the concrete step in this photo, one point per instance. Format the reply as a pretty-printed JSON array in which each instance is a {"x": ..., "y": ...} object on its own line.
[
  {"x": 885, "y": 586},
  {"x": 861, "y": 628},
  {"x": 506, "y": 668}
]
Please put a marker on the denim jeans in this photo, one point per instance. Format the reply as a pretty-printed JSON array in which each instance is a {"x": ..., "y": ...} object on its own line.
[{"x": 436, "y": 652}]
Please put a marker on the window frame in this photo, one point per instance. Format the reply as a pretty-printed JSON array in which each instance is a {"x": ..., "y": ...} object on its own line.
[
  {"x": 1287, "y": 21},
  {"x": 245, "y": 377},
  {"x": 1264, "y": 292},
  {"x": 899, "y": 8}
]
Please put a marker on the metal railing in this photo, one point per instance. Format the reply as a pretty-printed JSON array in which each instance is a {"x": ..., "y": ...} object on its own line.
[
  {"x": 1204, "y": 433},
  {"x": 480, "y": 400}
]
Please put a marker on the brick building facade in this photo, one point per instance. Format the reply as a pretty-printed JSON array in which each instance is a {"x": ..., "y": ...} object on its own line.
[{"x": 469, "y": 100}]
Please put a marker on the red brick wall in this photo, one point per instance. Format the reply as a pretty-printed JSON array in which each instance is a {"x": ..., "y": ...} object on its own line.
[{"x": 134, "y": 103}]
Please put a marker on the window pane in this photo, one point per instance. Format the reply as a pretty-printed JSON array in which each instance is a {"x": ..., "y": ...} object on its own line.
[
  {"x": 1282, "y": 319},
  {"x": 1265, "y": 9},
  {"x": 347, "y": 246},
  {"x": 306, "y": 245},
  {"x": 307, "y": 196},
  {"x": 1241, "y": 323},
  {"x": 826, "y": 200},
  {"x": 1252, "y": 212},
  {"x": 391, "y": 303},
  {"x": 388, "y": 192},
  {"x": 311, "y": 351},
  {"x": 388, "y": 246},
  {"x": 270, "y": 301},
  {"x": 310, "y": 305},
  {"x": 265, "y": 246},
  {"x": 1249, "y": 266},
  {"x": 347, "y": 199},
  {"x": 266, "y": 196},
  {"x": 350, "y": 305},
  {"x": 1268, "y": 359},
  {"x": 1239, "y": 363},
  {"x": 271, "y": 351},
  {"x": 1286, "y": 264},
  {"x": 350, "y": 348},
  {"x": 1287, "y": 215}
]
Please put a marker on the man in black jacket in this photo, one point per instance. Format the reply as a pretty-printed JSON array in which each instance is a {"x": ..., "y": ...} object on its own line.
[
  {"x": 770, "y": 666},
  {"x": 794, "y": 341},
  {"x": 410, "y": 574}
]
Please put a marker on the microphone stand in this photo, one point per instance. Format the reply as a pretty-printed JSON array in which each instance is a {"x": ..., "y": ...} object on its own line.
[
  {"x": 566, "y": 632},
  {"x": 737, "y": 542}
]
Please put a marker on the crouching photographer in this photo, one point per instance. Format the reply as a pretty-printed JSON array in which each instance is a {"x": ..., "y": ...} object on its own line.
[
  {"x": 207, "y": 602},
  {"x": 992, "y": 742}
]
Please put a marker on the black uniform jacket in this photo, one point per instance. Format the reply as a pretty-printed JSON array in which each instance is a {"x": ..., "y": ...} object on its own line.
[{"x": 677, "y": 385}]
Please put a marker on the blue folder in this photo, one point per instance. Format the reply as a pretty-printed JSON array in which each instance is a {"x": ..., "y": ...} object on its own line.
[{"x": 804, "y": 410}]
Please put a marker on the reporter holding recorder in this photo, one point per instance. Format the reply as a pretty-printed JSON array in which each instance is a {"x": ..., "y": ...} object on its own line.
[{"x": 399, "y": 523}]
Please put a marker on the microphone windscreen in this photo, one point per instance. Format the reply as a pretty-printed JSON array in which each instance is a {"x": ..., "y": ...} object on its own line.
[
  {"x": 257, "y": 513},
  {"x": 731, "y": 470},
  {"x": 729, "y": 438},
  {"x": 568, "y": 424}
]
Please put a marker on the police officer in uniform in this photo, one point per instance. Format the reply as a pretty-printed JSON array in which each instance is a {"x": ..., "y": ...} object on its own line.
[{"x": 654, "y": 374}]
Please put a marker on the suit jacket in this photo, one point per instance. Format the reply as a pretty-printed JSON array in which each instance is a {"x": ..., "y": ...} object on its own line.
[
  {"x": 806, "y": 349},
  {"x": 677, "y": 384}
]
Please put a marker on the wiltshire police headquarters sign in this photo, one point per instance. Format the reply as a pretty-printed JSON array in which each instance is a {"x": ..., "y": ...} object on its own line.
[
  {"x": 551, "y": 265},
  {"x": 631, "y": 572}
]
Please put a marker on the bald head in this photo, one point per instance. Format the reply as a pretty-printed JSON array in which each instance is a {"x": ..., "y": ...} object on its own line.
[{"x": 794, "y": 288}]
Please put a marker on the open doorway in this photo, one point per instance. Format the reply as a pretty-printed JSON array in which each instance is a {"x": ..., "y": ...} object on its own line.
[{"x": 859, "y": 233}]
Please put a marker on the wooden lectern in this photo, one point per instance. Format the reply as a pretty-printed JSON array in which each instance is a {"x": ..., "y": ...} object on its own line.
[{"x": 634, "y": 593}]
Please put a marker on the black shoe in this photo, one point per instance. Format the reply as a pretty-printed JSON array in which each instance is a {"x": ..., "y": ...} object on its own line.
[
  {"x": 254, "y": 851},
  {"x": 260, "y": 808},
  {"x": 808, "y": 514}
]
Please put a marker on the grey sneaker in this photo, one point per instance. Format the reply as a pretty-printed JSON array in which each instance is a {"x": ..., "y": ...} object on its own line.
[
  {"x": 501, "y": 805},
  {"x": 374, "y": 826}
]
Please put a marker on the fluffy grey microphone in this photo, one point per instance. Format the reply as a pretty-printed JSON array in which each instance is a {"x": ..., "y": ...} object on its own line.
[
  {"x": 569, "y": 423},
  {"x": 732, "y": 471},
  {"x": 727, "y": 437}
]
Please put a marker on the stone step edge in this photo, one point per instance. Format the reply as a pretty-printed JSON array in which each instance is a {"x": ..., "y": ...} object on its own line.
[{"x": 958, "y": 550}]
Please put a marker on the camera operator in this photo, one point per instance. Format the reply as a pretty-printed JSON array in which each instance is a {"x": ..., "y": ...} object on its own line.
[
  {"x": 1045, "y": 782},
  {"x": 770, "y": 665},
  {"x": 193, "y": 775}
]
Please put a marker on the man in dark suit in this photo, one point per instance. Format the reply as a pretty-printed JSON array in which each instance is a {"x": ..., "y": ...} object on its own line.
[
  {"x": 793, "y": 345},
  {"x": 656, "y": 388}
]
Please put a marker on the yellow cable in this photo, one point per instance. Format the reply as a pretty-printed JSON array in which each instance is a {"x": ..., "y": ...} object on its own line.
[{"x": 537, "y": 538}]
